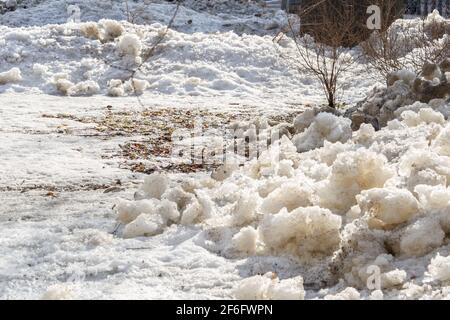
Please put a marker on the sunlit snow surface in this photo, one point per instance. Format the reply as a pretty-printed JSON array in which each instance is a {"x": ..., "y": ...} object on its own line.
[{"x": 58, "y": 228}]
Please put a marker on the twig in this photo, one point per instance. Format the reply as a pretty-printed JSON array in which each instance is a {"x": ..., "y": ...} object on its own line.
[{"x": 151, "y": 51}]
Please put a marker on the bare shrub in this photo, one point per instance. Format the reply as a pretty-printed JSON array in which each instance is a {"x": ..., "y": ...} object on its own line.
[
  {"x": 408, "y": 45},
  {"x": 321, "y": 49}
]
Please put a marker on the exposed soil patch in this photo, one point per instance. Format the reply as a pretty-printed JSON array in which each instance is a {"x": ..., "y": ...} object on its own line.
[
  {"x": 52, "y": 190},
  {"x": 150, "y": 131}
]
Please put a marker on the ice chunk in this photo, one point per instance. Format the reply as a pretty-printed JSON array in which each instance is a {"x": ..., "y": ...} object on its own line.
[
  {"x": 245, "y": 240},
  {"x": 112, "y": 29},
  {"x": 439, "y": 268},
  {"x": 155, "y": 185},
  {"x": 130, "y": 44},
  {"x": 244, "y": 210},
  {"x": 326, "y": 127},
  {"x": 346, "y": 294},
  {"x": 289, "y": 195},
  {"x": 129, "y": 210},
  {"x": 442, "y": 142},
  {"x": 10, "y": 76},
  {"x": 421, "y": 237},
  {"x": 388, "y": 206},
  {"x": 351, "y": 173},
  {"x": 144, "y": 225},
  {"x": 269, "y": 287},
  {"x": 58, "y": 292}
]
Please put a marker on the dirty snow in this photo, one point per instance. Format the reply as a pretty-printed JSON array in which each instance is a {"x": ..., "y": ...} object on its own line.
[{"x": 309, "y": 219}]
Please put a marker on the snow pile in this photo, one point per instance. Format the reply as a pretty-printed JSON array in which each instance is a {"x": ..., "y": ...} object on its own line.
[
  {"x": 351, "y": 173},
  {"x": 442, "y": 142},
  {"x": 352, "y": 201},
  {"x": 112, "y": 29},
  {"x": 116, "y": 88},
  {"x": 387, "y": 207},
  {"x": 225, "y": 5},
  {"x": 324, "y": 209},
  {"x": 204, "y": 63},
  {"x": 304, "y": 232},
  {"x": 405, "y": 91},
  {"x": 105, "y": 30},
  {"x": 246, "y": 240},
  {"x": 421, "y": 237}
]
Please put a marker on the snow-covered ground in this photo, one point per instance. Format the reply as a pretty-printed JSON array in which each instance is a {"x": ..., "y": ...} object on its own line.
[
  {"x": 63, "y": 167},
  {"x": 206, "y": 57},
  {"x": 57, "y": 222}
]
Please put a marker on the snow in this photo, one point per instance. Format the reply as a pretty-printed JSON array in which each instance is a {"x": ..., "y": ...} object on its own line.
[
  {"x": 393, "y": 278},
  {"x": 58, "y": 292},
  {"x": 324, "y": 127},
  {"x": 347, "y": 294},
  {"x": 246, "y": 240},
  {"x": 305, "y": 216},
  {"x": 208, "y": 60},
  {"x": 307, "y": 219},
  {"x": 351, "y": 173},
  {"x": 421, "y": 237},
  {"x": 304, "y": 232},
  {"x": 268, "y": 287},
  {"x": 388, "y": 206},
  {"x": 10, "y": 76},
  {"x": 439, "y": 268},
  {"x": 130, "y": 44},
  {"x": 154, "y": 186}
]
